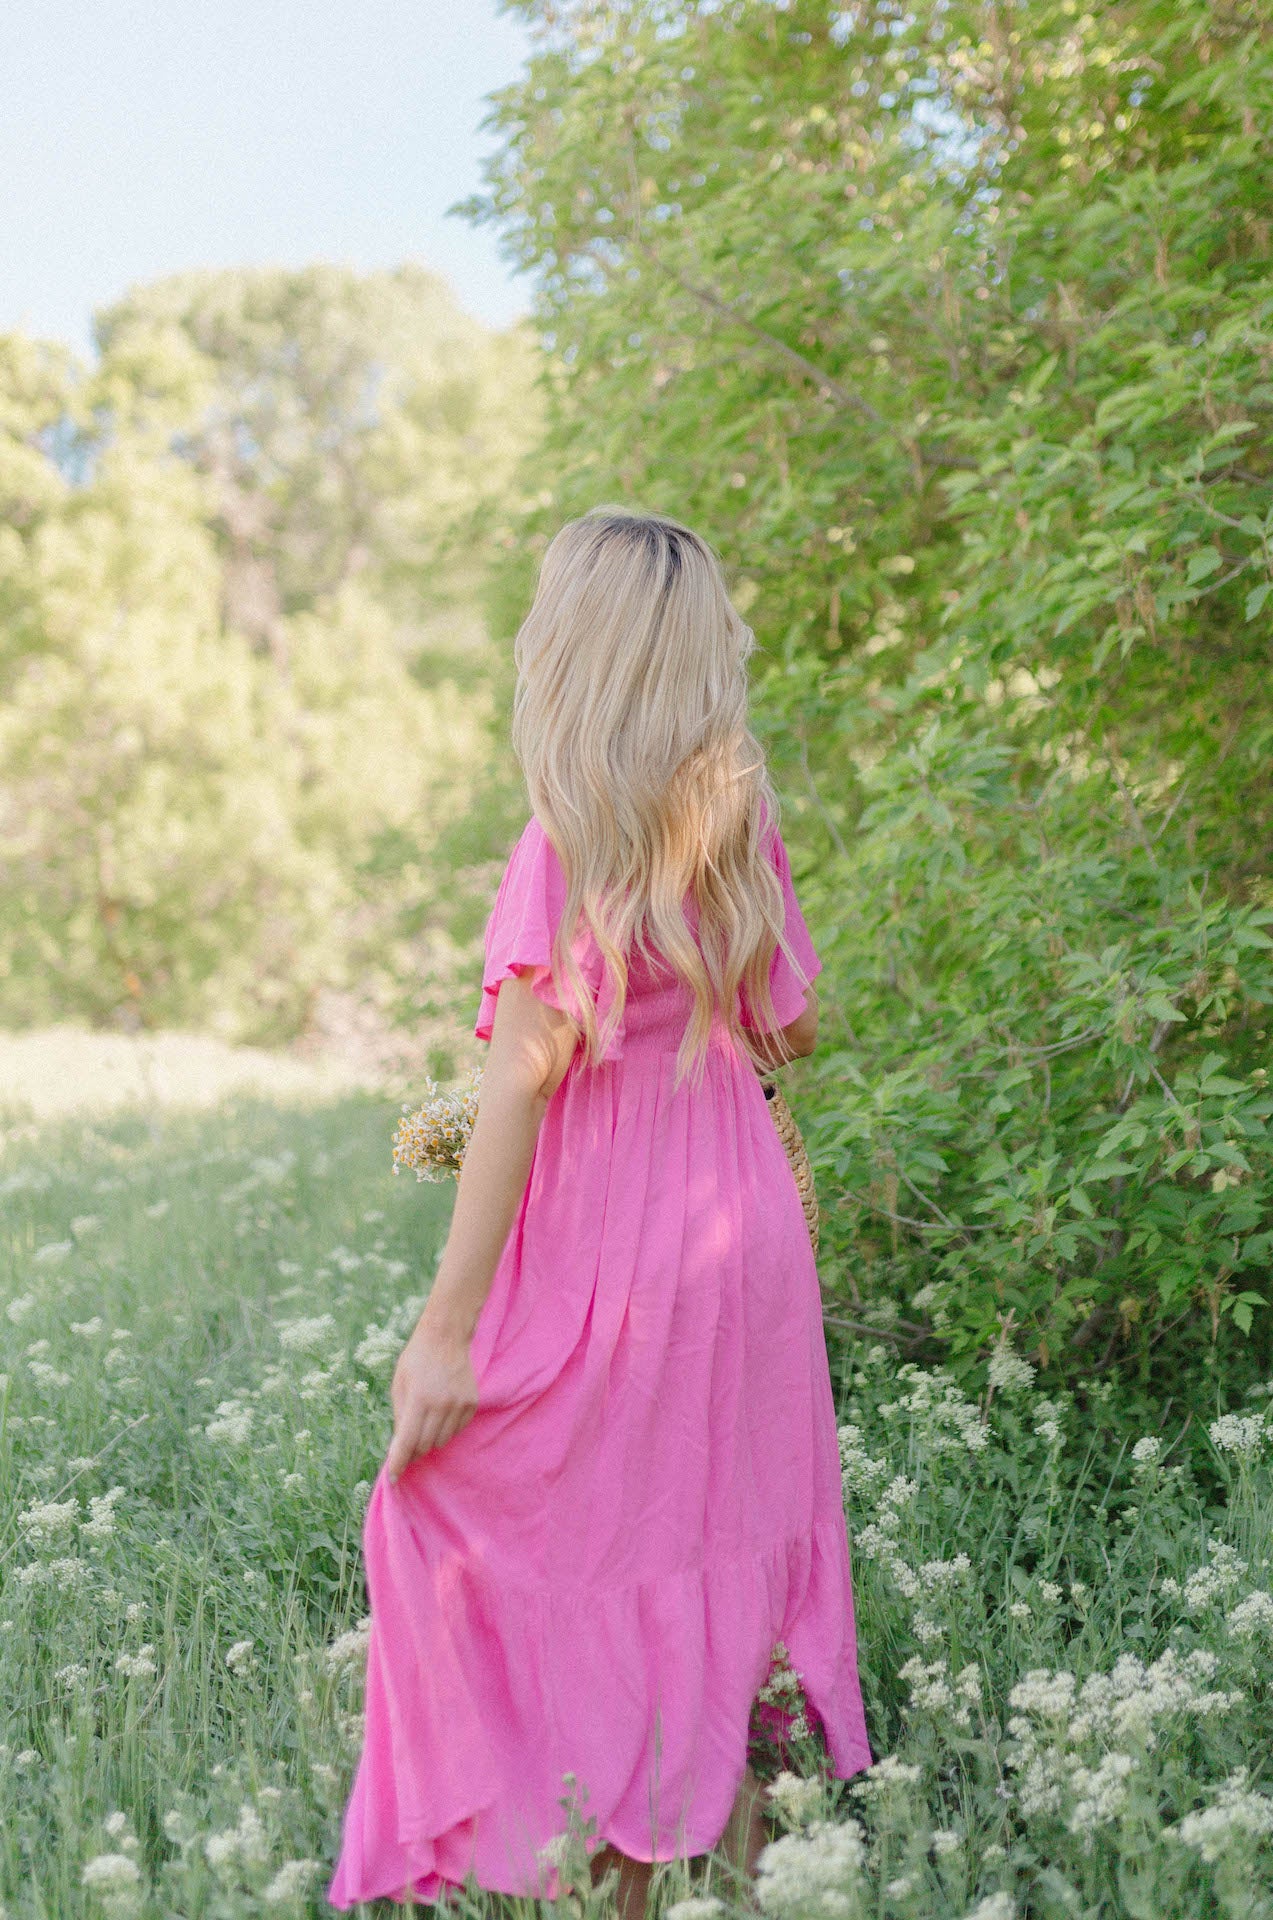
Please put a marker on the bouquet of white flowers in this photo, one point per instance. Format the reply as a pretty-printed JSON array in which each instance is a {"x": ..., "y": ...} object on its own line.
[{"x": 431, "y": 1139}]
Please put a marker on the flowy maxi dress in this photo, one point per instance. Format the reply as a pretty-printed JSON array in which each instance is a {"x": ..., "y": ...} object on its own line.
[{"x": 589, "y": 1579}]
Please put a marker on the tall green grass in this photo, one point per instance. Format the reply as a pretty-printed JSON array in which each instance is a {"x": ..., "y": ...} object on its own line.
[{"x": 1064, "y": 1623}]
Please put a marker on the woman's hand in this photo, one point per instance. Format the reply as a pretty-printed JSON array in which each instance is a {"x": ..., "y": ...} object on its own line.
[{"x": 434, "y": 1395}]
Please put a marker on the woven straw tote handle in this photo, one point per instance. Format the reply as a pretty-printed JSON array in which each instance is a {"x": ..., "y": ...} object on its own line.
[{"x": 797, "y": 1155}]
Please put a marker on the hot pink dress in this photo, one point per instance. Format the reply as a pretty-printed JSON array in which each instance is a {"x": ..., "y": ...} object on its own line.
[{"x": 590, "y": 1577}]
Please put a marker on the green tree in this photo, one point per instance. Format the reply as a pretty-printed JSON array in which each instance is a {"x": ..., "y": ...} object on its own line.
[{"x": 244, "y": 682}]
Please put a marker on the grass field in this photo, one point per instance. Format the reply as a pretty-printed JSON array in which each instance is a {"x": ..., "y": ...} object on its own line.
[{"x": 1065, "y": 1626}]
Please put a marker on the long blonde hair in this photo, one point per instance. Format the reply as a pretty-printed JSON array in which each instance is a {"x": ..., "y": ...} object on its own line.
[{"x": 630, "y": 724}]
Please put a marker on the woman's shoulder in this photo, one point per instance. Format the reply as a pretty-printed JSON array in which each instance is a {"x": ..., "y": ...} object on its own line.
[{"x": 534, "y": 867}]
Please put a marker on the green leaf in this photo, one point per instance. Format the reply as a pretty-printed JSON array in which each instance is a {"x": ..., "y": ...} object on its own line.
[
  {"x": 1201, "y": 564},
  {"x": 1256, "y": 598}
]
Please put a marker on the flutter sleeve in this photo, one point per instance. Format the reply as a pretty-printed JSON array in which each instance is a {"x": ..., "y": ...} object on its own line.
[
  {"x": 520, "y": 931},
  {"x": 786, "y": 983}
]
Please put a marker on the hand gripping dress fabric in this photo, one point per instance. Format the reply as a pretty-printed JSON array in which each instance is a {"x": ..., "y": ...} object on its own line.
[{"x": 590, "y": 1577}]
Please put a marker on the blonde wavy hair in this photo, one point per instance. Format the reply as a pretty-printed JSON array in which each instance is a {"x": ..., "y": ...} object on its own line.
[{"x": 630, "y": 725}]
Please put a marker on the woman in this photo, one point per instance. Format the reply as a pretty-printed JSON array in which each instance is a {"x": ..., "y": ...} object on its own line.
[{"x": 613, "y": 1484}]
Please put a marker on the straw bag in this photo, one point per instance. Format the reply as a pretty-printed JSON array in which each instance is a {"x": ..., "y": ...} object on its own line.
[{"x": 797, "y": 1155}]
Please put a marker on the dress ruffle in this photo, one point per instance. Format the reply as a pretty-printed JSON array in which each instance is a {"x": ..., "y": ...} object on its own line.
[
  {"x": 519, "y": 937},
  {"x": 637, "y": 1690}
]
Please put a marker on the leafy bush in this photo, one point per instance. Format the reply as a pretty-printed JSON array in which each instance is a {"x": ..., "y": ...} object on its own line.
[{"x": 952, "y": 329}]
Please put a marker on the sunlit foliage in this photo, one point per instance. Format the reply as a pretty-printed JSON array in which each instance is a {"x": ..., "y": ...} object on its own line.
[
  {"x": 951, "y": 324},
  {"x": 243, "y": 685}
]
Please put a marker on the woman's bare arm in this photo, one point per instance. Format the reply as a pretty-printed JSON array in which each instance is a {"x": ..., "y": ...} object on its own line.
[
  {"x": 434, "y": 1391},
  {"x": 793, "y": 1041},
  {"x": 801, "y": 1036}
]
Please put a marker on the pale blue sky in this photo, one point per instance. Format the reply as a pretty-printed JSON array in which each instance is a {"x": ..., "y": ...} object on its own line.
[{"x": 141, "y": 137}]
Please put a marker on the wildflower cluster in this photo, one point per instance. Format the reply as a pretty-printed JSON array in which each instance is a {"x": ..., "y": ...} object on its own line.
[
  {"x": 1079, "y": 1744},
  {"x": 944, "y": 1418},
  {"x": 431, "y": 1139},
  {"x": 1064, "y": 1639}
]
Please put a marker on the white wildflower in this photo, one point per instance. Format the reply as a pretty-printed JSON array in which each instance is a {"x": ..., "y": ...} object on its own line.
[
  {"x": 941, "y": 1574},
  {"x": 1252, "y": 1617},
  {"x": 291, "y": 1882},
  {"x": 1009, "y": 1372},
  {"x": 1049, "y": 1592},
  {"x": 1215, "y": 1582},
  {"x": 1101, "y": 1792},
  {"x": 245, "y": 1842},
  {"x": 101, "y": 1522},
  {"x": 46, "y": 1376},
  {"x": 1021, "y": 1610},
  {"x": 1146, "y": 1453},
  {"x": 945, "y": 1841},
  {"x": 349, "y": 1648},
  {"x": 221, "y": 1850},
  {"x": 47, "y": 1520},
  {"x": 88, "y": 1327},
  {"x": 307, "y": 1336},
  {"x": 968, "y": 1684},
  {"x": 933, "y": 1692},
  {"x": 886, "y": 1776},
  {"x": 72, "y": 1676},
  {"x": 378, "y": 1348},
  {"x": 19, "y": 1307},
  {"x": 136, "y": 1666},
  {"x": 950, "y": 1422},
  {"x": 1050, "y": 1431},
  {"x": 68, "y": 1573},
  {"x": 815, "y": 1871},
  {"x": 116, "y": 1880},
  {"x": 179, "y": 1827},
  {"x": 232, "y": 1421},
  {"x": 703, "y": 1906},
  {"x": 51, "y": 1252},
  {"x": 85, "y": 1223},
  {"x": 1235, "y": 1810},
  {"x": 239, "y": 1657},
  {"x": 1238, "y": 1433},
  {"x": 795, "y": 1797},
  {"x": 1048, "y": 1696},
  {"x": 997, "y": 1906}
]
